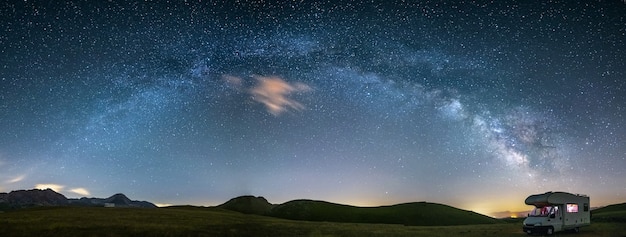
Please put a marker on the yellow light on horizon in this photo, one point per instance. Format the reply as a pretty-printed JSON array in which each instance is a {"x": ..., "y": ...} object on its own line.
[{"x": 55, "y": 187}]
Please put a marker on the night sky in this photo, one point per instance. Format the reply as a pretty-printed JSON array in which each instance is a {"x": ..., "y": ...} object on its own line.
[{"x": 471, "y": 104}]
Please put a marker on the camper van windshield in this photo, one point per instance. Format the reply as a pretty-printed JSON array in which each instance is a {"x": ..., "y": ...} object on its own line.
[{"x": 544, "y": 211}]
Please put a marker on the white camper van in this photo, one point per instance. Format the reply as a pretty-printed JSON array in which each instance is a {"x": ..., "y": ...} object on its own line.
[{"x": 557, "y": 211}]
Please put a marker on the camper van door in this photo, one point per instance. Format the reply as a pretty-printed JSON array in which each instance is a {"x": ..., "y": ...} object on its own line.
[
  {"x": 573, "y": 214},
  {"x": 556, "y": 218}
]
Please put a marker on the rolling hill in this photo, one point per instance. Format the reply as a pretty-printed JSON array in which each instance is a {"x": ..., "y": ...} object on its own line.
[
  {"x": 417, "y": 213},
  {"x": 610, "y": 213},
  {"x": 248, "y": 205},
  {"x": 212, "y": 221}
]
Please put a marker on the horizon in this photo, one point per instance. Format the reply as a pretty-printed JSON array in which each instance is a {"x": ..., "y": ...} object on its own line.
[
  {"x": 475, "y": 106},
  {"x": 497, "y": 214}
]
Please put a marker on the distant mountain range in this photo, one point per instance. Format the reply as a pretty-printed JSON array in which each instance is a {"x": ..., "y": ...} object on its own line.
[
  {"x": 416, "y": 213},
  {"x": 48, "y": 197}
]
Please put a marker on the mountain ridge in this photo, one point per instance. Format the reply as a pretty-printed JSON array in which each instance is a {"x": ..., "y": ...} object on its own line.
[{"x": 48, "y": 197}]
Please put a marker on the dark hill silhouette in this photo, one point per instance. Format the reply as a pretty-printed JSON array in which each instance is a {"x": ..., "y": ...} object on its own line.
[
  {"x": 117, "y": 200},
  {"x": 418, "y": 213},
  {"x": 610, "y": 213},
  {"x": 35, "y": 197},
  {"x": 248, "y": 205},
  {"x": 48, "y": 197},
  {"x": 610, "y": 208}
]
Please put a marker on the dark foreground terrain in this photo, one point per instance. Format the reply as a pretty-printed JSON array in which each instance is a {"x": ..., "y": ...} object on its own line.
[{"x": 197, "y": 221}]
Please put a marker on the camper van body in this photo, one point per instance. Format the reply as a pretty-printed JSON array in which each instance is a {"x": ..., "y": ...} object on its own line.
[{"x": 557, "y": 211}]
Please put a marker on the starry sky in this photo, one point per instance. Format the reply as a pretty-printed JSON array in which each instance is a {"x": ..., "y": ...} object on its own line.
[{"x": 473, "y": 104}]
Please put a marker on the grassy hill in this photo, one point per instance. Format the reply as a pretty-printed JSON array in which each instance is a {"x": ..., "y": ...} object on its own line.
[
  {"x": 611, "y": 213},
  {"x": 248, "y": 205},
  {"x": 201, "y": 221},
  {"x": 418, "y": 213}
]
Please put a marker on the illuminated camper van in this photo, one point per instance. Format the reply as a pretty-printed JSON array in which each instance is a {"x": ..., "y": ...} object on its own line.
[{"x": 557, "y": 211}]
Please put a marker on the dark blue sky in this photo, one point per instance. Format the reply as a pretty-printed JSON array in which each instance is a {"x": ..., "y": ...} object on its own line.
[{"x": 475, "y": 105}]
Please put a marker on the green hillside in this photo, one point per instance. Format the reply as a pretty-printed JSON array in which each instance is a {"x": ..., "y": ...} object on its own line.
[
  {"x": 611, "y": 213},
  {"x": 202, "y": 221},
  {"x": 419, "y": 213},
  {"x": 248, "y": 205}
]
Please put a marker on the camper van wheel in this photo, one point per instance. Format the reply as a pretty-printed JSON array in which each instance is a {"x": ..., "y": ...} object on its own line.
[
  {"x": 576, "y": 230},
  {"x": 550, "y": 231}
]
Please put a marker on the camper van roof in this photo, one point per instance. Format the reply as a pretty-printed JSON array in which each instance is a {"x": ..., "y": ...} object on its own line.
[{"x": 550, "y": 198}]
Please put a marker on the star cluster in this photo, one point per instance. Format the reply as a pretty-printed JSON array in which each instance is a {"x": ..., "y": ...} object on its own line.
[{"x": 468, "y": 104}]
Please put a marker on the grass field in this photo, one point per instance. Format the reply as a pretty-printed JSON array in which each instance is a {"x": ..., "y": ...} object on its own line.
[
  {"x": 611, "y": 213},
  {"x": 195, "y": 221}
]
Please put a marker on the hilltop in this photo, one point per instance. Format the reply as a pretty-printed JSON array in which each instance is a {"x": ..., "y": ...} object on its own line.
[
  {"x": 248, "y": 205},
  {"x": 48, "y": 197},
  {"x": 416, "y": 213}
]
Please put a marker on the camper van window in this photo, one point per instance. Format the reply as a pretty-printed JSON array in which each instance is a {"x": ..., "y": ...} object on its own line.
[
  {"x": 554, "y": 210},
  {"x": 543, "y": 211},
  {"x": 536, "y": 212},
  {"x": 586, "y": 207},
  {"x": 572, "y": 207}
]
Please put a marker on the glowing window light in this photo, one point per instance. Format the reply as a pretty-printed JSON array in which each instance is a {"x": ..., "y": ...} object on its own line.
[{"x": 572, "y": 207}]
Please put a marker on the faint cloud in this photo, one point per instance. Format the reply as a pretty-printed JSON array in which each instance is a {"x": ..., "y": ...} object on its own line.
[
  {"x": 80, "y": 191},
  {"x": 60, "y": 188},
  {"x": 16, "y": 179},
  {"x": 273, "y": 92},
  {"x": 56, "y": 187},
  {"x": 233, "y": 81}
]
